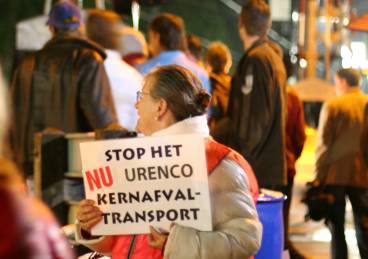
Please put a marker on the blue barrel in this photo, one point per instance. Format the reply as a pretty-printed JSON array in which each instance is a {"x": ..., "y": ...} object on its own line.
[{"x": 270, "y": 212}]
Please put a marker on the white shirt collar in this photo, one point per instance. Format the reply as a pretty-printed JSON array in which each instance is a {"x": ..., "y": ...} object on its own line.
[
  {"x": 197, "y": 124},
  {"x": 113, "y": 54}
]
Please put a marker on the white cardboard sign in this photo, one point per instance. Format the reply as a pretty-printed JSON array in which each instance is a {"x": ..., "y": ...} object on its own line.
[{"x": 155, "y": 181}]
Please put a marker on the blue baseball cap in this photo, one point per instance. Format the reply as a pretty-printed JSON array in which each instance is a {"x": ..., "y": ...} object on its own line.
[{"x": 65, "y": 15}]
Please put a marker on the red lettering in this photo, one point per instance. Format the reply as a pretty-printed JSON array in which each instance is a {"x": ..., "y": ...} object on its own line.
[
  {"x": 103, "y": 176},
  {"x": 94, "y": 180}
]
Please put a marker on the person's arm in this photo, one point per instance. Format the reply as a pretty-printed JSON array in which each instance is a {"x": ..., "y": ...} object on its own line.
[
  {"x": 298, "y": 134},
  {"x": 321, "y": 144},
  {"x": 236, "y": 229},
  {"x": 95, "y": 93},
  {"x": 102, "y": 244},
  {"x": 88, "y": 215}
]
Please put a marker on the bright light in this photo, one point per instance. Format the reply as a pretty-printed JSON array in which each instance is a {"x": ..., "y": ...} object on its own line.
[
  {"x": 359, "y": 56},
  {"x": 345, "y": 21},
  {"x": 356, "y": 56},
  {"x": 345, "y": 52},
  {"x": 295, "y": 16},
  {"x": 303, "y": 63},
  {"x": 293, "y": 59},
  {"x": 294, "y": 49}
]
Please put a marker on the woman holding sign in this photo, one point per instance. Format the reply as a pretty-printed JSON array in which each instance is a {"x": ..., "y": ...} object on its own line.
[{"x": 173, "y": 101}]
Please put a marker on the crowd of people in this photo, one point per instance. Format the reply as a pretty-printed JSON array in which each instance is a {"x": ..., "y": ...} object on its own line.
[{"x": 105, "y": 75}]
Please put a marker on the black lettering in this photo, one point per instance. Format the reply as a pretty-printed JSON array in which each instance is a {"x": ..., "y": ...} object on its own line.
[
  {"x": 116, "y": 218},
  {"x": 172, "y": 171},
  {"x": 151, "y": 216},
  {"x": 105, "y": 218},
  {"x": 134, "y": 197},
  {"x": 101, "y": 198},
  {"x": 179, "y": 195},
  {"x": 141, "y": 172},
  {"x": 161, "y": 171},
  {"x": 195, "y": 210},
  {"x": 177, "y": 148},
  {"x": 157, "y": 195},
  {"x": 157, "y": 151},
  {"x": 140, "y": 152},
  {"x": 128, "y": 154},
  {"x": 112, "y": 198},
  {"x": 190, "y": 194},
  {"x": 168, "y": 151},
  {"x": 160, "y": 214},
  {"x": 122, "y": 197},
  {"x": 184, "y": 214},
  {"x": 167, "y": 195},
  {"x": 147, "y": 197},
  {"x": 109, "y": 157},
  {"x": 140, "y": 216},
  {"x": 189, "y": 172},
  {"x": 127, "y": 175},
  {"x": 174, "y": 217},
  {"x": 127, "y": 218},
  {"x": 116, "y": 151},
  {"x": 151, "y": 173}
]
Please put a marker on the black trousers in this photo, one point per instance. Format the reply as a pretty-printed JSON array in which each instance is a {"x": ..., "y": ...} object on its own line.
[{"x": 359, "y": 200}]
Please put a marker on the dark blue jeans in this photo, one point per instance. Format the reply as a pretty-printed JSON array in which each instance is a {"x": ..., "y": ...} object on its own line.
[{"x": 359, "y": 200}]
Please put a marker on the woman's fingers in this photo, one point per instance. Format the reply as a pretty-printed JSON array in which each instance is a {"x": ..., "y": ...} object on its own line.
[
  {"x": 88, "y": 214},
  {"x": 84, "y": 217},
  {"x": 156, "y": 239},
  {"x": 91, "y": 223}
]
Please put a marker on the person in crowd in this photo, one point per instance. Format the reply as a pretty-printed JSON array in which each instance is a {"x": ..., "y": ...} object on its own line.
[
  {"x": 173, "y": 101},
  {"x": 194, "y": 52},
  {"x": 104, "y": 28},
  {"x": 256, "y": 124},
  {"x": 340, "y": 164},
  {"x": 27, "y": 227},
  {"x": 218, "y": 63},
  {"x": 63, "y": 86},
  {"x": 295, "y": 138},
  {"x": 134, "y": 49},
  {"x": 364, "y": 142},
  {"x": 168, "y": 45}
]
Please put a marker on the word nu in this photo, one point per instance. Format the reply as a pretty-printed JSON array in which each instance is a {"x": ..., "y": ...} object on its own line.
[{"x": 99, "y": 178}]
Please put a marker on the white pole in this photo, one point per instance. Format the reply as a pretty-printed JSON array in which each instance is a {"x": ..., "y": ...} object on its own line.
[
  {"x": 47, "y": 7},
  {"x": 100, "y": 4},
  {"x": 135, "y": 14}
]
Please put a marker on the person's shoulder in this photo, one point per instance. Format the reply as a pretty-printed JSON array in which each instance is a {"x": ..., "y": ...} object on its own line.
[
  {"x": 292, "y": 93},
  {"x": 148, "y": 65},
  {"x": 229, "y": 175},
  {"x": 126, "y": 72},
  {"x": 86, "y": 47}
]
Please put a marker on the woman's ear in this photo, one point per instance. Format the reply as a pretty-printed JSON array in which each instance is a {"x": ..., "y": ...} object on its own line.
[{"x": 162, "y": 108}]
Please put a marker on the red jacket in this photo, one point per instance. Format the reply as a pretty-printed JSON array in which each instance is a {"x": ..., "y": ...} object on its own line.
[{"x": 136, "y": 246}]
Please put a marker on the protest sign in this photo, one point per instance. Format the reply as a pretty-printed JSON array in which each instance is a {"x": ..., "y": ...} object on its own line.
[{"x": 155, "y": 181}]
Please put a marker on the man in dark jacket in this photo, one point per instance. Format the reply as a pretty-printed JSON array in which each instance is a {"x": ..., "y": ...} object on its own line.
[
  {"x": 62, "y": 86},
  {"x": 257, "y": 96}
]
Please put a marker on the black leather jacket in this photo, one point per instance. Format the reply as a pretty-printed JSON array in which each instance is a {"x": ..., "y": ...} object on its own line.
[
  {"x": 62, "y": 86},
  {"x": 257, "y": 113}
]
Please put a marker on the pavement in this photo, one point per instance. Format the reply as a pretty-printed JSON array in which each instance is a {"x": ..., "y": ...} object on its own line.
[{"x": 312, "y": 239}]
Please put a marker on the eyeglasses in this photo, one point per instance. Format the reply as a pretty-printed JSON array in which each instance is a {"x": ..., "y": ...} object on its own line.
[{"x": 140, "y": 95}]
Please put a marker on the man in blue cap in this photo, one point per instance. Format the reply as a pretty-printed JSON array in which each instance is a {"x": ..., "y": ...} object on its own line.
[{"x": 63, "y": 86}]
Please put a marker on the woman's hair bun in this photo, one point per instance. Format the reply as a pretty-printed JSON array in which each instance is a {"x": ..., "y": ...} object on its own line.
[{"x": 203, "y": 99}]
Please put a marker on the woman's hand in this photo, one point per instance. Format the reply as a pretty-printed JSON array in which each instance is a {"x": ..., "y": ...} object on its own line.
[
  {"x": 156, "y": 239},
  {"x": 88, "y": 214}
]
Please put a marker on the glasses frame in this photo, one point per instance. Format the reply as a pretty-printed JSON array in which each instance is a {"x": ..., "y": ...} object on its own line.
[{"x": 140, "y": 95}]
